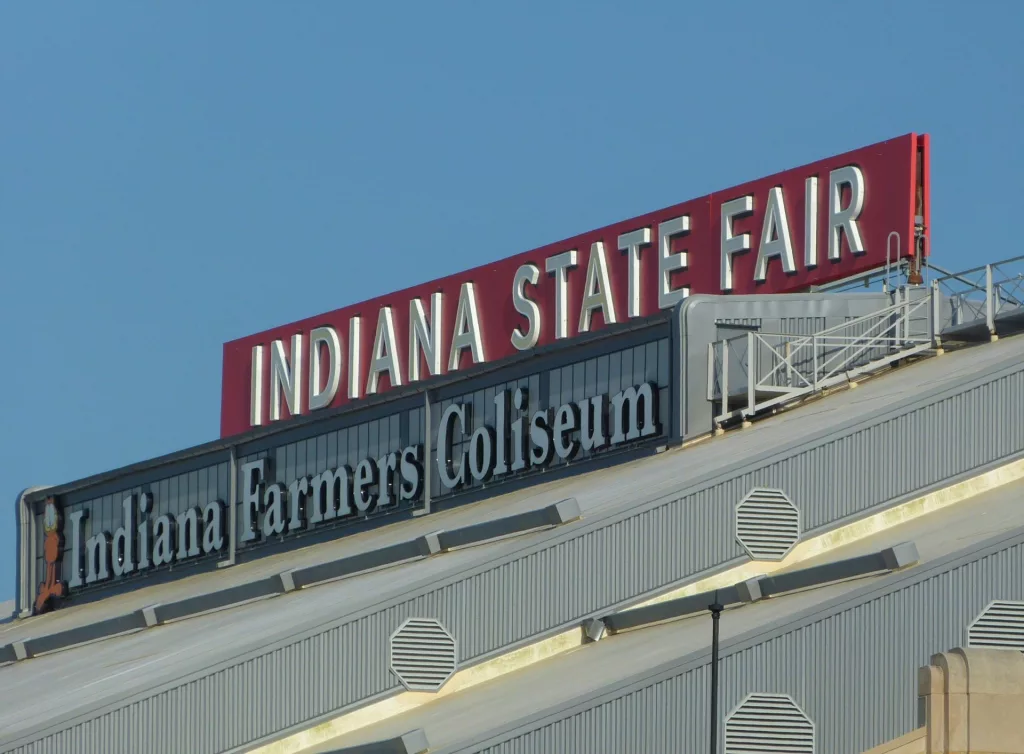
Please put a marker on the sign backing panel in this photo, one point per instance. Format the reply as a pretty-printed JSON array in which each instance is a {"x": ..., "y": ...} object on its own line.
[{"x": 784, "y": 233}]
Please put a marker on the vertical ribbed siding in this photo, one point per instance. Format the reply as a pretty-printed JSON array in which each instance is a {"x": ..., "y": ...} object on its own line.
[
  {"x": 853, "y": 668},
  {"x": 512, "y": 601}
]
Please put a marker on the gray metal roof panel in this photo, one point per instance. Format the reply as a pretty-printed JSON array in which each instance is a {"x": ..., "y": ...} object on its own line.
[
  {"x": 617, "y": 662},
  {"x": 801, "y": 652}
]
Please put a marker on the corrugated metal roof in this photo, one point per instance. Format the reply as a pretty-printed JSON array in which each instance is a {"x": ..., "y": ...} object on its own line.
[{"x": 597, "y": 669}]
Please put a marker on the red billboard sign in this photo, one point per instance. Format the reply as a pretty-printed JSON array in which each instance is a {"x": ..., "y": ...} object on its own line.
[{"x": 807, "y": 226}]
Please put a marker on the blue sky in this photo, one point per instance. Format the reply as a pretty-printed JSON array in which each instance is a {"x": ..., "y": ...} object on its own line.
[{"x": 174, "y": 175}]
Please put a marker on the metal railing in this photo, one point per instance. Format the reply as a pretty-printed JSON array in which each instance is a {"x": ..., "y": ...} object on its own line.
[
  {"x": 756, "y": 371},
  {"x": 884, "y": 279},
  {"x": 981, "y": 294},
  {"x": 760, "y": 370}
]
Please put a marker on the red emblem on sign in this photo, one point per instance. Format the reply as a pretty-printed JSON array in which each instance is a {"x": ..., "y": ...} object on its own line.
[{"x": 53, "y": 550}]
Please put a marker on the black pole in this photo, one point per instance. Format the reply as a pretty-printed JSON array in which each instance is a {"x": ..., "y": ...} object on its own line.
[{"x": 716, "y": 612}]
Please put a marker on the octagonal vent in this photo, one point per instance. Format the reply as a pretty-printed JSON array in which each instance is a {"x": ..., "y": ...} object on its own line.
[
  {"x": 768, "y": 723},
  {"x": 999, "y": 626},
  {"x": 767, "y": 524},
  {"x": 422, "y": 654}
]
